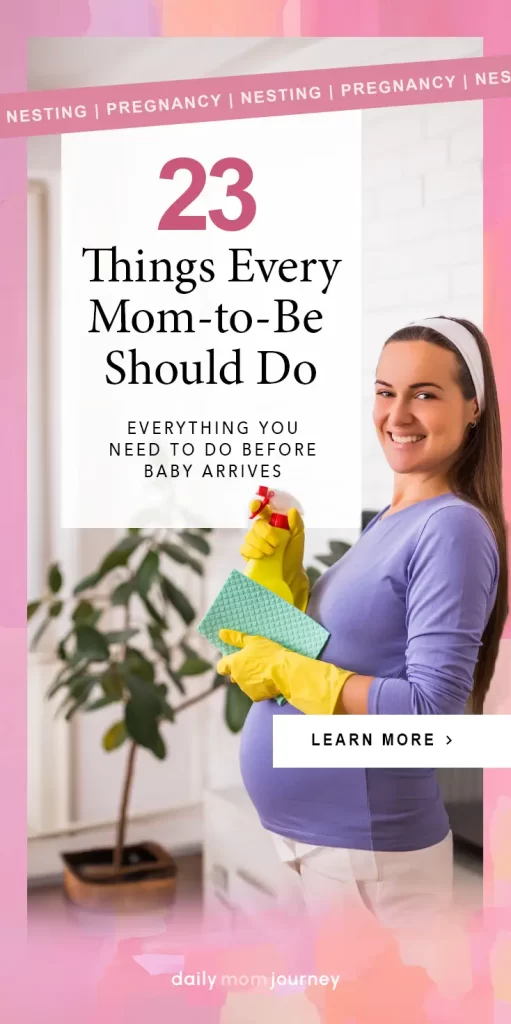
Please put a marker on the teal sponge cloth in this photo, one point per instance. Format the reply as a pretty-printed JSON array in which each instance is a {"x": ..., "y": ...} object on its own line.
[{"x": 250, "y": 608}]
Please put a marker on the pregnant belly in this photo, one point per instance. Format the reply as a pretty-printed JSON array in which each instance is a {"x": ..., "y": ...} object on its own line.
[
  {"x": 303, "y": 802},
  {"x": 352, "y": 807}
]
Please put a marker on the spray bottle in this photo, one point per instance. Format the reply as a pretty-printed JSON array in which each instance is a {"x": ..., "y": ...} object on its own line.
[{"x": 269, "y": 571}]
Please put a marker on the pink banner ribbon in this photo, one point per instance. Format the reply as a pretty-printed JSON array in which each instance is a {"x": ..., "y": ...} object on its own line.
[{"x": 59, "y": 111}]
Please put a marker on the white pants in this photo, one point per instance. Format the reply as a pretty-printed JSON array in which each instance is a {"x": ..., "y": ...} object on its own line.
[
  {"x": 395, "y": 887},
  {"x": 410, "y": 894}
]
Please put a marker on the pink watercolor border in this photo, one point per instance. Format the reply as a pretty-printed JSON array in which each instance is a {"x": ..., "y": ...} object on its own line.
[
  {"x": 142, "y": 18},
  {"x": 13, "y": 469}
]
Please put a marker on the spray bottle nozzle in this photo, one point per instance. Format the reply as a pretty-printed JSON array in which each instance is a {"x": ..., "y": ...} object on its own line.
[
  {"x": 266, "y": 495},
  {"x": 279, "y": 503}
]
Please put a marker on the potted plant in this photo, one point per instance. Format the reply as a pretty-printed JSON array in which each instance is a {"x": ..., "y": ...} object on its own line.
[
  {"x": 124, "y": 641},
  {"x": 118, "y": 646}
]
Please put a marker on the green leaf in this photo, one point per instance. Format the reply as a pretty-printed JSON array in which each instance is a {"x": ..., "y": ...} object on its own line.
[
  {"x": 63, "y": 705},
  {"x": 79, "y": 692},
  {"x": 119, "y": 556},
  {"x": 32, "y": 607},
  {"x": 57, "y": 685},
  {"x": 176, "y": 680},
  {"x": 88, "y": 583},
  {"x": 173, "y": 551},
  {"x": 154, "y": 613},
  {"x": 195, "y": 540},
  {"x": 55, "y": 609},
  {"x": 39, "y": 633},
  {"x": 237, "y": 707},
  {"x": 79, "y": 685},
  {"x": 130, "y": 542},
  {"x": 189, "y": 651},
  {"x": 313, "y": 574},
  {"x": 73, "y": 669},
  {"x": 339, "y": 548},
  {"x": 120, "y": 636},
  {"x": 146, "y": 573},
  {"x": 193, "y": 667},
  {"x": 77, "y": 704},
  {"x": 177, "y": 599},
  {"x": 143, "y": 688},
  {"x": 178, "y": 555},
  {"x": 167, "y": 711},
  {"x": 195, "y": 565},
  {"x": 159, "y": 749},
  {"x": 83, "y": 612},
  {"x": 136, "y": 664},
  {"x": 219, "y": 681},
  {"x": 192, "y": 655},
  {"x": 123, "y": 592},
  {"x": 101, "y": 702},
  {"x": 91, "y": 643},
  {"x": 327, "y": 560},
  {"x": 61, "y": 650},
  {"x": 54, "y": 578},
  {"x": 112, "y": 683},
  {"x": 142, "y": 725},
  {"x": 114, "y": 736},
  {"x": 158, "y": 642},
  {"x": 145, "y": 693}
]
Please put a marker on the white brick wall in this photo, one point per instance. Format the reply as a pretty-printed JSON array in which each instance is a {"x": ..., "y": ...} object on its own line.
[
  {"x": 422, "y": 236},
  {"x": 462, "y": 180}
]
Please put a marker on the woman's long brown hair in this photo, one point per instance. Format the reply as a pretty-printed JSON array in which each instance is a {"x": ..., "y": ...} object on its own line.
[{"x": 476, "y": 476}]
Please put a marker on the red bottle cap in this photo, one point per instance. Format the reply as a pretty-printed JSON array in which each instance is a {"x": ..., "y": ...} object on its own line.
[{"x": 280, "y": 520}]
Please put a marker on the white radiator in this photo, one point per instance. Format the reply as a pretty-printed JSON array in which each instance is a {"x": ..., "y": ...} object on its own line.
[{"x": 48, "y": 753}]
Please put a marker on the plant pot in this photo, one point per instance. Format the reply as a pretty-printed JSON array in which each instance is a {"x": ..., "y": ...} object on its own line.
[{"x": 145, "y": 881}]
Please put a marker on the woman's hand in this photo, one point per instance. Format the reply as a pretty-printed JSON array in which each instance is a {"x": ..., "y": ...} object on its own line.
[
  {"x": 265, "y": 669},
  {"x": 253, "y": 667},
  {"x": 262, "y": 539}
]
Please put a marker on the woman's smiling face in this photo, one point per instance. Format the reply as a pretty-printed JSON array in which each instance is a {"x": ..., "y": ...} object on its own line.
[{"x": 419, "y": 412}]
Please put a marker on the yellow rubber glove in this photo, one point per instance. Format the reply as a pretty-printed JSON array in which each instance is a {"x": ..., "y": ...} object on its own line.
[
  {"x": 262, "y": 539},
  {"x": 264, "y": 669}
]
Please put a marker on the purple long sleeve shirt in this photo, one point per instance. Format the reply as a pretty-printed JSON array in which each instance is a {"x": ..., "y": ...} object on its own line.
[{"x": 407, "y": 604}]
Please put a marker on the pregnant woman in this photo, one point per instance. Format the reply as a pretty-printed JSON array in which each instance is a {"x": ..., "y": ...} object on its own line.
[{"x": 415, "y": 612}]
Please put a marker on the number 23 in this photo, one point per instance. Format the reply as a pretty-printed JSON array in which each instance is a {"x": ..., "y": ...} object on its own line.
[{"x": 173, "y": 218}]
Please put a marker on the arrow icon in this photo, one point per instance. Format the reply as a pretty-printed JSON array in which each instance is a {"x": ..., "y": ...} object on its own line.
[{"x": 449, "y": 740}]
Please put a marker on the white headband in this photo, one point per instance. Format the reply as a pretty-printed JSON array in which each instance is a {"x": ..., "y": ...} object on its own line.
[{"x": 465, "y": 343}]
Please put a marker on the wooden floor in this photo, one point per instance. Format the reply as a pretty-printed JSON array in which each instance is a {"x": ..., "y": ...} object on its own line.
[{"x": 49, "y": 899}]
